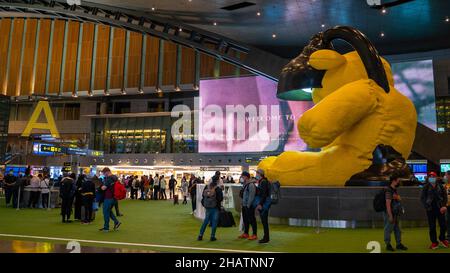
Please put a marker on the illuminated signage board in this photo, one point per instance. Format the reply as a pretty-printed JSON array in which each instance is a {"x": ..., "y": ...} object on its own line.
[
  {"x": 213, "y": 169},
  {"x": 76, "y": 151},
  {"x": 50, "y": 148},
  {"x": 47, "y": 149},
  {"x": 96, "y": 153}
]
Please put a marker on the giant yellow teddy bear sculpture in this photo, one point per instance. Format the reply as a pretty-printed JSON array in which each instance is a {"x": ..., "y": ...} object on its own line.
[{"x": 351, "y": 117}]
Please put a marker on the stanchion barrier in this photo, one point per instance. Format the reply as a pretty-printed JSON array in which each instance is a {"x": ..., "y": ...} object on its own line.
[{"x": 18, "y": 199}]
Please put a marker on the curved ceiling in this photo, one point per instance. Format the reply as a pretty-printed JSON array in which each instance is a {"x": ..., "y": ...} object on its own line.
[{"x": 418, "y": 25}]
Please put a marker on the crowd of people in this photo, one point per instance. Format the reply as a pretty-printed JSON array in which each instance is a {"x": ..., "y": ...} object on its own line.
[
  {"x": 435, "y": 200},
  {"x": 83, "y": 196},
  {"x": 256, "y": 200}
]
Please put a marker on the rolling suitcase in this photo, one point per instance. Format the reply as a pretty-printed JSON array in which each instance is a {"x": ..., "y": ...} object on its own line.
[{"x": 175, "y": 199}]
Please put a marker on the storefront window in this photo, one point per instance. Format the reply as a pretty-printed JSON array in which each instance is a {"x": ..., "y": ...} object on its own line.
[
  {"x": 72, "y": 111},
  {"x": 24, "y": 111},
  {"x": 13, "y": 112},
  {"x": 122, "y": 107},
  {"x": 155, "y": 106},
  {"x": 136, "y": 135}
]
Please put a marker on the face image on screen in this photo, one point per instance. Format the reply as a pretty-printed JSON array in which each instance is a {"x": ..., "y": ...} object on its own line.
[
  {"x": 416, "y": 81},
  {"x": 275, "y": 120}
]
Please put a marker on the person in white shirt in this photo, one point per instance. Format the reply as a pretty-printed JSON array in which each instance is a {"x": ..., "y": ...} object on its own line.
[
  {"x": 45, "y": 191},
  {"x": 156, "y": 188},
  {"x": 162, "y": 185},
  {"x": 34, "y": 187}
]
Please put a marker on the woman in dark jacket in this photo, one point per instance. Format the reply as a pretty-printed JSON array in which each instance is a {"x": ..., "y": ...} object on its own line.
[
  {"x": 434, "y": 199},
  {"x": 78, "y": 198}
]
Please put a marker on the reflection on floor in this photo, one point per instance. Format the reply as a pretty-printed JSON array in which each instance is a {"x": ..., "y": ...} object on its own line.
[{"x": 17, "y": 246}]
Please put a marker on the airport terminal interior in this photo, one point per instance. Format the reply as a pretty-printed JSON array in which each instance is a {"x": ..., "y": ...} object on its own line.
[{"x": 291, "y": 116}]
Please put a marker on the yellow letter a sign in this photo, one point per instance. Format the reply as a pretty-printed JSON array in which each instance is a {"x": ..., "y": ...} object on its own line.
[{"x": 34, "y": 124}]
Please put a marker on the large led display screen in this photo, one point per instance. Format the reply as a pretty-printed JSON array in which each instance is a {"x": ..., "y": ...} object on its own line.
[
  {"x": 266, "y": 124},
  {"x": 244, "y": 115},
  {"x": 416, "y": 81}
]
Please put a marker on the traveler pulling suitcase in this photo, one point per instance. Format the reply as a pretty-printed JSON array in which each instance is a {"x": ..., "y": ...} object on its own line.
[{"x": 226, "y": 219}]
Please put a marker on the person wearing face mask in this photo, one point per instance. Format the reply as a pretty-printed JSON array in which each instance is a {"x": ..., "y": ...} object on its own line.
[
  {"x": 247, "y": 194},
  {"x": 434, "y": 199},
  {"x": 445, "y": 182},
  {"x": 391, "y": 216},
  {"x": 262, "y": 203}
]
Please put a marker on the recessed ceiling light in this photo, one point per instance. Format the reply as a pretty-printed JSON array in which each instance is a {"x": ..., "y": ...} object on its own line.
[
  {"x": 180, "y": 29},
  {"x": 258, "y": 13},
  {"x": 447, "y": 19},
  {"x": 153, "y": 8},
  {"x": 382, "y": 34},
  {"x": 215, "y": 23},
  {"x": 323, "y": 25},
  {"x": 274, "y": 35}
]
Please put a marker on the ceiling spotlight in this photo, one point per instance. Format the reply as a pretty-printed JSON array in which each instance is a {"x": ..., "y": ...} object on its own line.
[
  {"x": 153, "y": 8},
  {"x": 382, "y": 34},
  {"x": 180, "y": 29},
  {"x": 274, "y": 35},
  {"x": 141, "y": 91},
  {"x": 258, "y": 13},
  {"x": 384, "y": 11},
  {"x": 447, "y": 19},
  {"x": 177, "y": 88},
  {"x": 323, "y": 25},
  {"x": 158, "y": 90},
  {"x": 215, "y": 23},
  {"x": 195, "y": 87}
]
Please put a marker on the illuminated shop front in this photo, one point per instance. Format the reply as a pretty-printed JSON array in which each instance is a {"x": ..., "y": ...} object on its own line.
[{"x": 137, "y": 135}]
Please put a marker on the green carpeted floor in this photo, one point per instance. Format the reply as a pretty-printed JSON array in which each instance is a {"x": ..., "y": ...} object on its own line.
[{"x": 162, "y": 223}]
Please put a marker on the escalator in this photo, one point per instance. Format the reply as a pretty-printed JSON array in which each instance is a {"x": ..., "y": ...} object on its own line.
[{"x": 431, "y": 145}]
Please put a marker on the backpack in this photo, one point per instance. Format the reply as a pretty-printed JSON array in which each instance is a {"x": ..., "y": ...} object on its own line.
[
  {"x": 379, "y": 202},
  {"x": 209, "y": 197},
  {"x": 119, "y": 191},
  {"x": 275, "y": 194}
]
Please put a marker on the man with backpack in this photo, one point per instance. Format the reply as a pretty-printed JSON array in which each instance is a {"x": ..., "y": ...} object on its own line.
[
  {"x": 391, "y": 214},
  {"x": 109, "y": 200},
  {"x": 263, "y": 202},
  {"x": 434, "y": 199},
  {"x": 211, "y": 200},
  {"x": 247, "y": 195}
]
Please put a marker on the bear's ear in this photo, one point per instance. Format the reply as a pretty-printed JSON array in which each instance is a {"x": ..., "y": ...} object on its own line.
[{"x": 326, "y": 59}]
